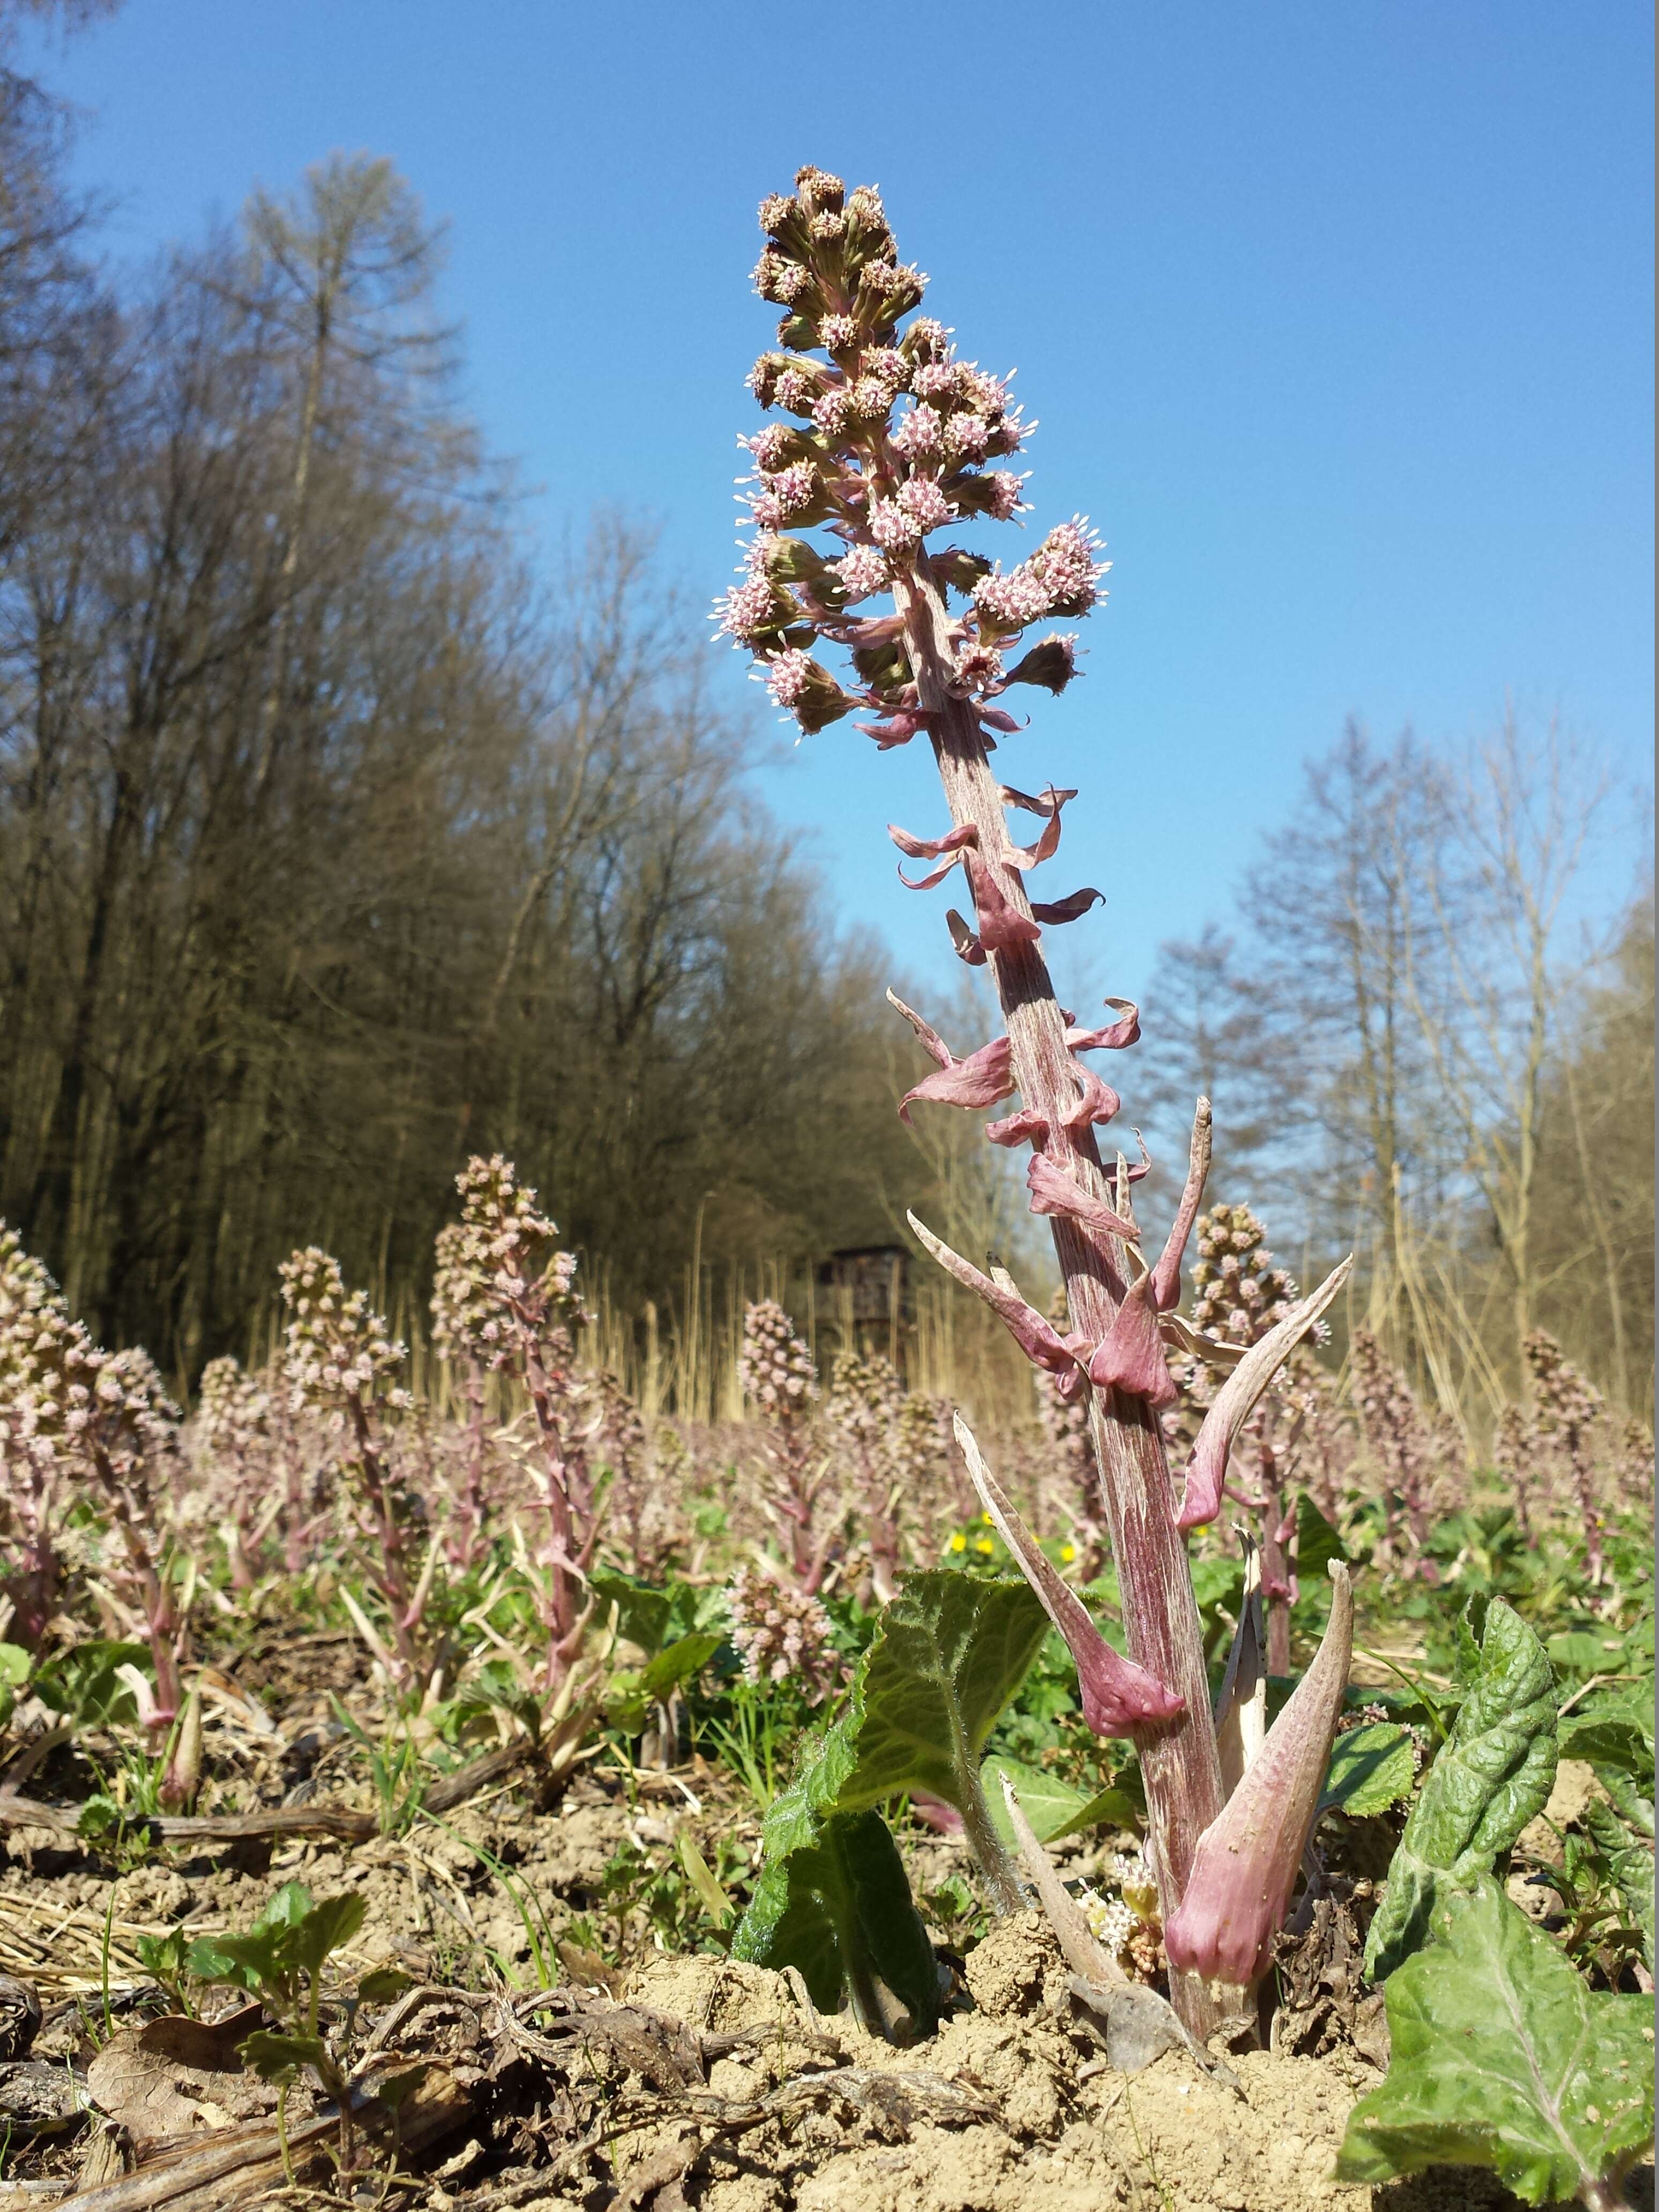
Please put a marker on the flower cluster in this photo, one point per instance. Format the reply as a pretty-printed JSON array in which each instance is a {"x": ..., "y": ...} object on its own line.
[
  {"x": 1400, "y": 1440},
  {"x": 1566, "y": 1408},
  {"x": 864, "y": 1399},
  {"x": 891, "y": 442},
  {"x": 340, "y": 1351},
  {"x": 775, "y": 1367},
  {"x": 232, "y": 1411},
  {"x": 499, "y": 1266},
  {"x": 1239, "y": 1292},
  {"x": 1129, "y": 1926},
  {"x": 783, "y": 1635}
]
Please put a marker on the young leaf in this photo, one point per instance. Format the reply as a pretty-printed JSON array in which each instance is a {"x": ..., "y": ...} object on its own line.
[
  {"x": 1489, "y": 1780},
  {"x": 1053, "y": 1807},
  {"x": 948, "y": 1653},
  {"x": 1503, "y": 2058},
  {"x": 1049, "y": 1805},
  {"x": 1317, "y": 1543},
  {"x": 381, "y": 1984},
  {"x": 1371, "y": 1768},
  {"x": 278, "y": 2058},
  {"x": 838, "y": 1907},
  {"x": 1631, "y": 1865},
  {"x": 329, "y": 1924},
  {"x": 677, "y": 1662},
  {"x": 644, "y": 1615}
]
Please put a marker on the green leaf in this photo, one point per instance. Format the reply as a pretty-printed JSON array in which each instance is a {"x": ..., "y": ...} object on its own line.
[
  {"x": 395, "y": 2090},
  {"x": 245, "y": 1962},
  {"x": 1491, "y": 1777},
  {"x": 287, "y": 1907},
  {"x": 84, "y": 1683},
  {"x": 1631, "y": 1865},
  {"x": 643, "y": 1614},
  {"x": 98, "y": 1816},
  {"x": 279, "y": 2058},
  {"x": 1317, "y": 1543},
  {"x": 330, "y": 1924},
  {"x": 839, "y": 1908},
  {"x": 1503, "y": 2058},
  {"x": 14, "y": 1663},
  {"x": 381, "y": 1984},
  {"x": 1371, "y": 1768},
  {"x": 948, "y": 1653},
  {"x": 1053, "y": 1808},
  {"x": 1577, "y": 1651},
  {"x": 1613, "y": 1727},
  {"x": 678, "y": 1662}
]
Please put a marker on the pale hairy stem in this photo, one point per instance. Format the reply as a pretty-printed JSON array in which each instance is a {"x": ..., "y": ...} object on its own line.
[
  {"x": 1179, "y": 1761},
  {"x": 389, "y": 1569}
]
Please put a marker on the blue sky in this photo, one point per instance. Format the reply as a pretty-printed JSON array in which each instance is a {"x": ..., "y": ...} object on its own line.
[{"x": 1337, "y": 321}]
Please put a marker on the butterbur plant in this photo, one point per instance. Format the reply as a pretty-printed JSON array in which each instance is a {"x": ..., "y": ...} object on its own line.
[
  {"x": 506, "y": 1296},
  {"x": 75, "y": 1419},
  {"x": 888, "y": 442},
  {"x": 342, "y": 1363},
  {"x": 1567, "y": 1408},
  {"x": 777, "y": 1377},
  {"x": 862, "y": 1412}
]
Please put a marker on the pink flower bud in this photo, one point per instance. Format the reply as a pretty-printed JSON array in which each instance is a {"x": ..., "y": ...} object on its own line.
[{"x": 1246, "y": 1863}]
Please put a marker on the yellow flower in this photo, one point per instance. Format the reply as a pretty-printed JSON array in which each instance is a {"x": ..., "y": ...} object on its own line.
[
  {"x": 958, "y": 1542},
  {"x": 987, "y": 1519},
  {"x": 1067, "y": 1553},
  {"x": 986, "y": 1546}
]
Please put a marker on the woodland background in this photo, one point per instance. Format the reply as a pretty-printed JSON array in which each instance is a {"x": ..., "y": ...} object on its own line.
[{"x": 342, "y": 836}]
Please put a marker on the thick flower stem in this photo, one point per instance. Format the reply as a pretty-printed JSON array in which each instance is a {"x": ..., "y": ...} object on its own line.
[{"x": 1179, "y": 1762}]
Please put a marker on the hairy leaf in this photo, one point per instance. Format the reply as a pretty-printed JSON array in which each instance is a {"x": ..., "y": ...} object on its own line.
[
  {"x": 838, "y": 1907},
  {"x": 1491, "y": 1777},
  {"x": 948, "y": 1653},
  {"x": 1630, "y": 1863},
  {"x": 1503, "y": 2058},
  {"x": 1371, "y": 1768}
]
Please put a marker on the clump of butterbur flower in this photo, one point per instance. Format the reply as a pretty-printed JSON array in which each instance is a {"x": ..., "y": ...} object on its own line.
[
  {"x": 342, "y": 1362},
  {"x": 778, "y": 1378},
  {"x": 888, "y": 444},
  {"x": 782, "y": 1635},
  {"x": 505, "y": 1298},
  {"x": 1567, "y": 1409},
  {"x": 81, "y": 1424},
  {"x": 862, "y": 1413},
  {"x": 1406, "y": 1450}
]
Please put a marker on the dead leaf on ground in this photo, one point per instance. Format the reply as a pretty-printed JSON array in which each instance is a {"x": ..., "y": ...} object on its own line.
[{"x": 157, "y": 2096}]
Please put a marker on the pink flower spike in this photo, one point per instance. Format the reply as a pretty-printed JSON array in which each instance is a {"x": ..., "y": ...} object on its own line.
[
  {"x": 1118, "y": 1697},
  {"x": 1166, "y": 1276},
  {"x": 1069, "y": 909},
  {"x": 1054, "y": 1191},
  {"x": 1245, "y": 1866},
  {"x": 1001, "y": 926},
  {"x": 1020, "y": 1128},
  {"x": 1036, "y": 1337},
  {"x": 1236, "y": 1400},
  {"x": 1126, "y": 1031},
  {"x": 1130, "y": 1356},
  {"x": 984, "y": 1078}
]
